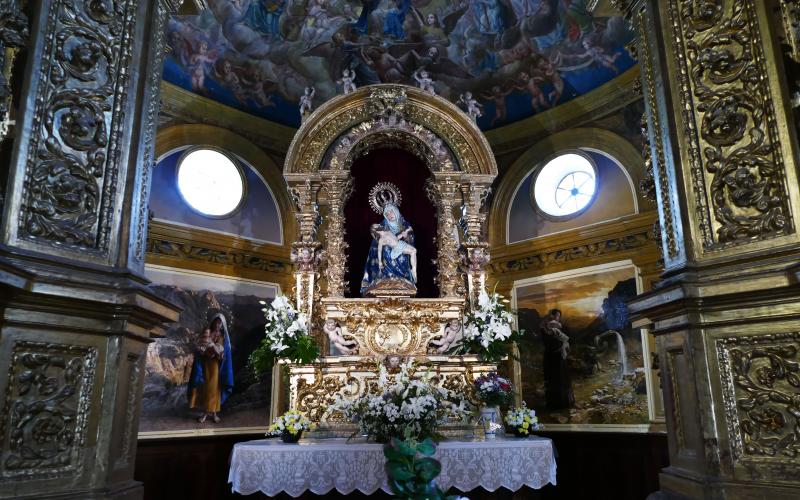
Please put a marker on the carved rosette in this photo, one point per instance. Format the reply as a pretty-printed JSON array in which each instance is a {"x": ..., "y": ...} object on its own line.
[
  {"x": 728, "y": 114},
  {"x": 760, "y": 377},
  {"x": 46, "y": 410}
]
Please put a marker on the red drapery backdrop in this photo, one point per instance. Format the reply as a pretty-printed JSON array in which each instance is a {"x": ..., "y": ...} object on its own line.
[{"x": 409, "y": 174}]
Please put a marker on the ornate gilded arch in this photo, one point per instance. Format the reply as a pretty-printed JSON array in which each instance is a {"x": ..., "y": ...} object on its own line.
[
  {"x": 367, "y": 106},
  {"x": 317, "y": 171}
]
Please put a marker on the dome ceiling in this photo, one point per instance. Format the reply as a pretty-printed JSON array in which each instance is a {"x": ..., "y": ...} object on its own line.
[{"x": 517, "y": 57}]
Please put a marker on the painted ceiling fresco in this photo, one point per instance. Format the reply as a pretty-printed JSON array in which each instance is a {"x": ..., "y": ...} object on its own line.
[{"x": 517, "y": 57}]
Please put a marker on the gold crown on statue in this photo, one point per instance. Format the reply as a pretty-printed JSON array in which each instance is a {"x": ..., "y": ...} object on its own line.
[{"x": 383, "y": 193}]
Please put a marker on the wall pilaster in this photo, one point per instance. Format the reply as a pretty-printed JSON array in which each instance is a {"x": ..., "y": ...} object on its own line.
[
  {"x": 76, "y": 313},
  {"x": 727, "y": 312}
]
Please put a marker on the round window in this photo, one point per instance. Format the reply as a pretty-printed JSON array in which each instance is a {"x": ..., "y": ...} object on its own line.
[
  {"x": 565, "y": 186},
  {"x": 210, "y": 182}
]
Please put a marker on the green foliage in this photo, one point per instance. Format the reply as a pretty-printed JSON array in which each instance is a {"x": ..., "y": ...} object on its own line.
[
  {"x": 411, "y": 470},
  {"x": 488, "y": 330},
  {"x": 304, "y": 350}
]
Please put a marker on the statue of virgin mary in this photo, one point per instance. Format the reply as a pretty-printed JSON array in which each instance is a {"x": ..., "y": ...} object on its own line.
[{"x": 392, "y": 256}]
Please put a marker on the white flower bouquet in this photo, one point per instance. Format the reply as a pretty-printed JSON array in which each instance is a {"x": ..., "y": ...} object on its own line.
[
  {"x": 287, "y": 336},
  {"x": 404, "y": 405},
  {"x": 290, "y": 426},
  {"x": 488, "y": 329},
  {"x": 522, "y": 421}
]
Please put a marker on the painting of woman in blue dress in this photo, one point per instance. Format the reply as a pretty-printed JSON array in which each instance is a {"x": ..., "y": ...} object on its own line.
[
  {"x": 392, "y": 254},
  {"x": 211, "y": 380}
]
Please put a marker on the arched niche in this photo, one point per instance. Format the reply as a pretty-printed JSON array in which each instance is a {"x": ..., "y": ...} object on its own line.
[
  {"x": 180, "y": 136},
  {"x": 616, "y": 148},
  {"x": 385, "y": 116}
]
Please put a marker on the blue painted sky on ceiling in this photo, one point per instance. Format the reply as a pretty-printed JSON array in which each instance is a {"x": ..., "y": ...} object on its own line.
[{"x": 517, "y": 57}]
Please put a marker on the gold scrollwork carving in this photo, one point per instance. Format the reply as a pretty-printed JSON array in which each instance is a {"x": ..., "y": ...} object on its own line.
[
  {"x": 46, "y": 410},
  {"x": 760, "y": 385},
  {"x": 352, "y": 378},
  {"x": 314, "y": 398},
  {"x": 444, "y": 119},
  {"x": 563, "y": 255},
  {"x": 731, "y": 127},
  {"x": 790, "y": 11},
  {"x": 394, "y": 325},
  {"x": 160, "y": 246}
]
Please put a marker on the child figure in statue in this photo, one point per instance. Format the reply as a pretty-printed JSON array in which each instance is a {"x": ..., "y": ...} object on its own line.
[
  {"x": 396, "y": 244},
  {"x": 392, "y": 254},
  {"x": 211, "y": 380}
]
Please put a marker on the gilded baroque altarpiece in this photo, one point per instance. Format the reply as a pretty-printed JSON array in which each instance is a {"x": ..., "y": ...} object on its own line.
[{"x": 393, "y": 323}]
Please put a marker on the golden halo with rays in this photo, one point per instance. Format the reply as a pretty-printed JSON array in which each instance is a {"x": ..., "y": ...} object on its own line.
[{"x": 383, "y": 193}]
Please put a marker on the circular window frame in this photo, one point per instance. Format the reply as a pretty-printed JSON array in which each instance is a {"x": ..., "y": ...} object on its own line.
[
  {"x": 236, "y": 163},
  {"x": 538, "y": 169}
]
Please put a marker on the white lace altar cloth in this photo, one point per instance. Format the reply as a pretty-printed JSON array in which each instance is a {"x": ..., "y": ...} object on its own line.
[{"x": 321, "y": 465}]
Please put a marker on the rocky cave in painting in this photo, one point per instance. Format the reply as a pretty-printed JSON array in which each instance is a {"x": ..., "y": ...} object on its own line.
[
  {"x": 517, "y": 57},
  {"x": 605, "y": 365},
  {"x": 169, "y": 363}
]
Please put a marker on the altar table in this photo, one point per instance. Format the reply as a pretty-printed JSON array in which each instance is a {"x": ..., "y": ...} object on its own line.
[{"x": 320, "y": 465}]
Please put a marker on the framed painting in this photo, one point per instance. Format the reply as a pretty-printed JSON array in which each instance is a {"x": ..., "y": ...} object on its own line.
[
  {"x": 582, "y": 365},
  {"x": 196, "y": 377}
]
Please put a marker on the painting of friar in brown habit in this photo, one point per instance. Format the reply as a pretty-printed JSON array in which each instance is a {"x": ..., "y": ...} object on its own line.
[{"x": 581, "y": 361}]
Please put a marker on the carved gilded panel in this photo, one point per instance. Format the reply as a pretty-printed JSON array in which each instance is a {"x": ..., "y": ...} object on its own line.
[
  {"x": 738, "y": 174},
  {"x": 540, "y": 260},
  {"x": 46, "y": 410},
  {"x": 760, "y": 377},
  {"x": 75, "y": 146}
]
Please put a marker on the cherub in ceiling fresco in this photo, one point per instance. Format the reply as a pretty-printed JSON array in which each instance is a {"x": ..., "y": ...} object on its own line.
[{"x": 517, "y": 57}]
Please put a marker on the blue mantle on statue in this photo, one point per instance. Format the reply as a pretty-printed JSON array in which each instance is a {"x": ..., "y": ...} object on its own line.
[{"x": 394, "y": 266}]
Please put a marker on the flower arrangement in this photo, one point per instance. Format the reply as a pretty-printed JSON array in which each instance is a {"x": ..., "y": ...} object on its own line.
[
  {"x": 522, "y": 421},
  {"x": 494, "y": 390},
  {"x": 290, "y": 426},
  {"x": 487, "y": 329},
  {"x": 404, "y": 405},
  {"x": 287, "y": 336}
]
